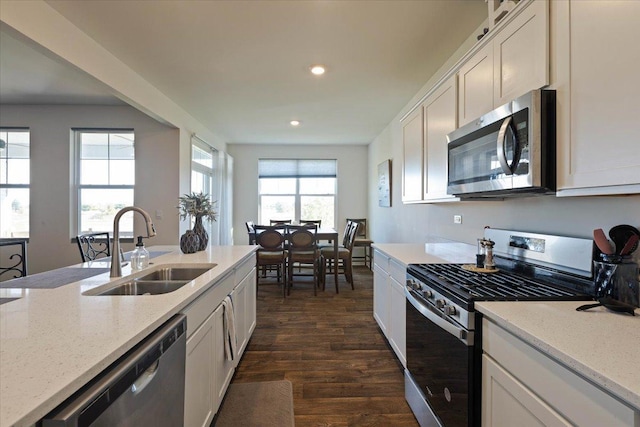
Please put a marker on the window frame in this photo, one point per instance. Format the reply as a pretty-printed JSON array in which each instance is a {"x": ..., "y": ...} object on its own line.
[
  {"x": 78, "y": 186},
  {"x": 9, "y": 186},
  {"x": 298, "y": 195},
  {"x": 211, "y": 173}
]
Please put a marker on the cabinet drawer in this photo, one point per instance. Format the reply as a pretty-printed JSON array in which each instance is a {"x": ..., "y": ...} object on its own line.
[
  {"x": 573, "y": 397},
  {"x": 198, "y": 311},
  {"x": 398, "y": 271},
  {"x": 381, "y": 259}
]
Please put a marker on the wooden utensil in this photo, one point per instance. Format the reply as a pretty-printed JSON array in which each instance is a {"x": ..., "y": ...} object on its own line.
[{"x": 602, "y": 242}]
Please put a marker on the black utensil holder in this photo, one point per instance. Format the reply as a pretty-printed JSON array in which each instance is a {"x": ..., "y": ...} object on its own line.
[{"x": 617, "y": 280}]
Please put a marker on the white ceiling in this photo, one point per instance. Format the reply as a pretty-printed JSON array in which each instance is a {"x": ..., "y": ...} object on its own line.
[{"x": 241, "y": 67}]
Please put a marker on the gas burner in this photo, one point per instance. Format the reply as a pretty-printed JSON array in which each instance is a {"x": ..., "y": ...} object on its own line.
[{"x": 466, "y": 286}]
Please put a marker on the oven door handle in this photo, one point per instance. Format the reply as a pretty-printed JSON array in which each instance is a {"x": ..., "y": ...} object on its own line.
[{"x": 434, "y": 316}]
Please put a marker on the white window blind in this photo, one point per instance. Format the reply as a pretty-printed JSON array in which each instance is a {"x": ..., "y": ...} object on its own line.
[{"x": 297, "y": 168}]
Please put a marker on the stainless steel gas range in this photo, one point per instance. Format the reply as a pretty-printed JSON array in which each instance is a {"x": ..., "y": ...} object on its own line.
[{"x": 444, "y": 336}]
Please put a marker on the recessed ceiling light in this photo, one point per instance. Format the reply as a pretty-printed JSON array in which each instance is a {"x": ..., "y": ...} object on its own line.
[
  {"x": 294, "y": 123},
  {"x": 317, "y": 70}
]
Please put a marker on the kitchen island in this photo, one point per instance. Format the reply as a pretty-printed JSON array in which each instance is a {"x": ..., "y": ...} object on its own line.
[{"x": 53, "y": 341}]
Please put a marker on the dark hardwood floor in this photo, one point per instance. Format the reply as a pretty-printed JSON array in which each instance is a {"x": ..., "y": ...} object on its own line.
[{"x": 329, "y": 346}]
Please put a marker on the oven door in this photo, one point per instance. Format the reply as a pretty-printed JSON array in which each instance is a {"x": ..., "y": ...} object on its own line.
[{"x": 442, "y": 381}]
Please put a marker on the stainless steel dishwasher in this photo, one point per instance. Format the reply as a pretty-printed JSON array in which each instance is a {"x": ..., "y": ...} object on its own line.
[{"x": 145, "y": 387}]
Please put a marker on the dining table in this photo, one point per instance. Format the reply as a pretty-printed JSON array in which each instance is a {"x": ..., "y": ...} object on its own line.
[{"x": 323, "y": 233}]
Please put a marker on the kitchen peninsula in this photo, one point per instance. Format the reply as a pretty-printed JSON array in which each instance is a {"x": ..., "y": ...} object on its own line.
[{"x": 53, "y": 341}]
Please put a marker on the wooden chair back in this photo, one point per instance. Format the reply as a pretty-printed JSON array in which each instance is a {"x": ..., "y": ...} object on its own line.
[
  {"x": 279, "y": 221},
  {"x": 302, "y": 237},
  {"x": 269, "y": 238},
  {"x": 362, "y": 232},
  {"x": 251, "y": 230}
]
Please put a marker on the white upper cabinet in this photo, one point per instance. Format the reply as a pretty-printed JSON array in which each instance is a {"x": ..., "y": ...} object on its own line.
[
  {"x": 521, "y": 54},
  {"x": 514, "y": 62},
  {"x": 440, "y": 119},
  {"x": 595, "y": 63},
  {"x": 476, "y": 85},
  {"x": 412, "y": 156},
  {"x": 424, "y": 173}
]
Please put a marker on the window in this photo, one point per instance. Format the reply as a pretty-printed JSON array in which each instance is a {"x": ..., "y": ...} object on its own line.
[
  {"x": 202, "y": 175},
  {"x": 297, "y": 189},
  {"x": 105, "y": 179},
  {"x": 14, "y": 183}
]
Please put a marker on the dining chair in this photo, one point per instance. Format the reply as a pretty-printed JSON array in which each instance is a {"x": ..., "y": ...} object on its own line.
[
  {"x": 271, "y": 253},
  {"x": 303, "y": 250},
  {"x": 345, "y": 253},
  {"x": 318, "y": 222},
  {"x": 94, "y": 245},
  {"x": 251, "y": 231},
  {"x": 14, "y": 259},
  {"x": 363, "y": 242},
  {"x": 279, "y": 221}
]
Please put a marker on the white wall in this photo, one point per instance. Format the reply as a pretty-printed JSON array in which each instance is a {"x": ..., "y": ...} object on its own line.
[
  {"x": 352, "y": 179},
  {"x": 414, "y": 223},
  {"x": 157, "y": 174}
]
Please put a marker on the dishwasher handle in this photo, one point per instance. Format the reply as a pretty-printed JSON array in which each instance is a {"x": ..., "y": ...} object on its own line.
[{"x": 133, "y": 371}]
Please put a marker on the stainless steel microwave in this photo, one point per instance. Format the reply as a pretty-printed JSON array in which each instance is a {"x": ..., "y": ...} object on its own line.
[{"x": 510, "y": 151}]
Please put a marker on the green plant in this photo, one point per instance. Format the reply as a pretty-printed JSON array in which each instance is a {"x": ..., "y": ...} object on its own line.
[{"x": 197, "y": 204}]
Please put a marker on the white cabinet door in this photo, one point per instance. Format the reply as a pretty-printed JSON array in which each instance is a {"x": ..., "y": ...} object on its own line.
[
  {"x": 440, "y": 111},
  {"x": 200, "y": 376},
  {"x": 597, "y": 63},
  {"x": 475, "y": 79},
  {"x": 514, "y": 62},
  {"x": 381, "y": 294},
  {"x": 521, "y": 54},
  {"x": 244, "y": 304},
  {"x": 397, "y": 320},
  {"x": 507, "y": 402},
  {"x": 412, "y": 156},
  {"x": 223, "y": 368}
]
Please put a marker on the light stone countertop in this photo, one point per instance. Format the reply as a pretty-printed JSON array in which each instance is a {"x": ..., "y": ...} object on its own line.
[
  {"x": 598, "y": 344},
  {"x": 429, "y": 253},
  {"x": 53, "y": 341}
]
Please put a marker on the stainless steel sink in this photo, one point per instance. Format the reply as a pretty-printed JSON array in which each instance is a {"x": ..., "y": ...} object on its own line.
[
  {"x": 175, "y": 273},
  {"x": 146, "y": 287},
  {"x": 162, "y": 279}
]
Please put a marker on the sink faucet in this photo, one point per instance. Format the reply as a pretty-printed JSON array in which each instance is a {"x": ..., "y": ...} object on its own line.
[{"x": 116, "y": 268}]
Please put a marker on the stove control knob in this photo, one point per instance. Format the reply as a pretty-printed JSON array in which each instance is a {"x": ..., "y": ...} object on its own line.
[
  {"x": 412, "y": 284},
  {"x": 440, "y": 303},
  {"x": 450, "y": 310},
  {"x": 427, "y": 293}
]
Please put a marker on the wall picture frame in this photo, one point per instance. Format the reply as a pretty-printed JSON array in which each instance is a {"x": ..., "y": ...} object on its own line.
[{"x": 384, "y": 184}]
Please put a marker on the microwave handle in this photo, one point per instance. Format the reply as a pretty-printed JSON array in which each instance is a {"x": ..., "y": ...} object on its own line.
[{"x": 502, "y": 135}]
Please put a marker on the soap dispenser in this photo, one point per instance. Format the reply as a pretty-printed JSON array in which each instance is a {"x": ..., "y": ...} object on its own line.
[{"x": 140, "y": 256}]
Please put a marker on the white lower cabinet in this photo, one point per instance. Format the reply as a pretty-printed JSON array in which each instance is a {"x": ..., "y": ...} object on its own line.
[
  {"x": 507, "y": 402},
  {"x": 200, "y": 375},
  {"x": 244, "y": 304},
  {"x": 208, "y": 373},
  {"x": 523, "y": 386},
  {"x": 389, "y": 302}
]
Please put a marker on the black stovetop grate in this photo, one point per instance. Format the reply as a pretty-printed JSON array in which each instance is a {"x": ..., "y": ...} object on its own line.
[{"x": 503, "y": 285}]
